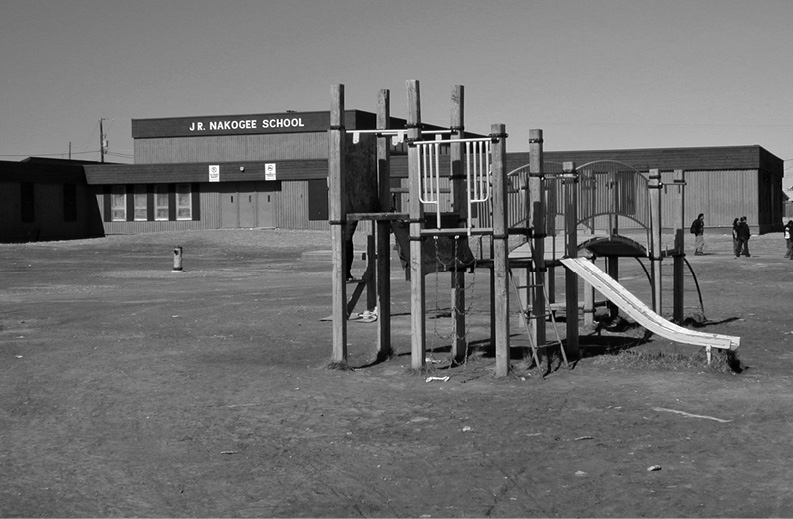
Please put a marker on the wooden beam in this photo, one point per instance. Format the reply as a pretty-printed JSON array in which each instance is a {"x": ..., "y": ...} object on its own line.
[
  {"x": 539, "y": 219},
  {"x": 336, "y": 217},
  {"x": 460, "y": 207},
  {"x": 500, "y": 249},
  {"x": 383, "y": 228},
  {"x": 655, "y": 238},
  {"x": 571, "y": 246},
  {"x": 417, "y": 283}
]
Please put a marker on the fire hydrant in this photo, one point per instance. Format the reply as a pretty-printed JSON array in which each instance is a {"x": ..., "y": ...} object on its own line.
[{"x": 177, "y": 258}]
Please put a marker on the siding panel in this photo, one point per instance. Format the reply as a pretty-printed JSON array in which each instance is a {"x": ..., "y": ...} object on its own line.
[{"x": 232, "y": 148}]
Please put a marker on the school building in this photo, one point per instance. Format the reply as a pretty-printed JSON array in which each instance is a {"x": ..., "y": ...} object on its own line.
[{"x": 271, "y": 171}]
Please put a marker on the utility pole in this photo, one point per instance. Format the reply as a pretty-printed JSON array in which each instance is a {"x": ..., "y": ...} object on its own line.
[{"x": 102, "y": 141}]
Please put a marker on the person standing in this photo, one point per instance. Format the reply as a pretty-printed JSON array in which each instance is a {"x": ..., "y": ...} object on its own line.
[
  {"x": 743, "y": 238},
  {"x": 735, "y": 248},
  {"x": 789, "y": 239},
  {"x": 698, "y": 230}
]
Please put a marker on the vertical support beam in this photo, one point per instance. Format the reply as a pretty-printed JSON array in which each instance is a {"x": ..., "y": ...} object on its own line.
[
  {"x": 678, "y": 293},
  {"x": 384, "y": 349},
  {"x": 459, "y": 193},
  {"x": 371, "y": 266},
  {"x": 655, "y": 237},
  {"x": 418, "y": 346},
  {"x": 539, "y": 209},
  {"x": 571, "y": 251},
  {"x": 613, "y": 270},
  {"x": 589, "y": 304},
  {"x": 337, "y": 217},
  {"x": 500, "y": 247}
]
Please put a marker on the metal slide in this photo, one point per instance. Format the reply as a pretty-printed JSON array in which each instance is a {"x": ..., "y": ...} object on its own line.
[{"x": 631, "y": 305}]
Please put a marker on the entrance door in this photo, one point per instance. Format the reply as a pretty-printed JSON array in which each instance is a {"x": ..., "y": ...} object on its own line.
[
  {"x": 247, "y": 205},
  {"x": 267, "y": 192},
  {"x": 229, "y": 205}
]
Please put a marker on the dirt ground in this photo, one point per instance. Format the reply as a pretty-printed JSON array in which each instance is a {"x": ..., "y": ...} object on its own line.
[{"x": 131, "y": 390}]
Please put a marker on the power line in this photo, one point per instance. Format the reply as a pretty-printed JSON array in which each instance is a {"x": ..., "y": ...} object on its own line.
[{"x": 48, "y": 154}]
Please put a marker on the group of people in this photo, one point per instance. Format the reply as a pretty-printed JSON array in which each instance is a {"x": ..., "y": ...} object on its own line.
[{"x": 740, "y": 237}]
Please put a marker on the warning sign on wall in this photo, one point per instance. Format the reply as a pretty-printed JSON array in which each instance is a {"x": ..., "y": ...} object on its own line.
[
  {"x": 214, "y": 173},
  {"x": 269, "y": 172}
]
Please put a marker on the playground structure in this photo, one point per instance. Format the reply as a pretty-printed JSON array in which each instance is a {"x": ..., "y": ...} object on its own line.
[{"x": 525, "y": 204}]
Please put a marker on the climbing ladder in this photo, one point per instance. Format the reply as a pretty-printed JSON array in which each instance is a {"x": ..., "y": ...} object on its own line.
[{"x": 526, "y": 316}]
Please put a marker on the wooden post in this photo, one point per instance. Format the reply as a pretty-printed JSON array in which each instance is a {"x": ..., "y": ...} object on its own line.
[
  {"x": 613, "y": 270},
  {"x": 371, "y": 266},
  {"x": 539, "y": 208},
  {"x": 384, "y": 228},
  {"x": 417, "y": 282},
  {"x": 655, "y": 237},
  {"x": 500, "y": 247},
  {"x": 459, "y": 207},
  {"x": 336, "y": 218},
  {"x": 589, "y": 304},
  {"x": 571, "y": 251},
  {"x": 678, "y": 294}
]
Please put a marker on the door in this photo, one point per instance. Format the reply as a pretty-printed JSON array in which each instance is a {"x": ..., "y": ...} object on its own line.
[
  {"x": 247, "y": 205},
  {"x": 267, "y": 192},
  {"x": 229, "y": 205}
]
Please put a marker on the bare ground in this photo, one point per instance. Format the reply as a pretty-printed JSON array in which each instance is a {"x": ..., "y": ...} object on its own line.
[{"x": 131, "y": 390}]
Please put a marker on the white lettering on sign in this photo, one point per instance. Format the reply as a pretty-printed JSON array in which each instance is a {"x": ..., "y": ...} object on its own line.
[
  {"x": 294, "y": 122},
  {"x": 269, "y": 172},
  {"x": 247, "y": 124},
  {"x": 214, "y": 173}
]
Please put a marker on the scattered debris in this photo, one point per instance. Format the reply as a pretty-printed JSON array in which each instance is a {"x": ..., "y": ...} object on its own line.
[
  {"x": 440, "y": 379},
  {"x": 691, "y": 415}
]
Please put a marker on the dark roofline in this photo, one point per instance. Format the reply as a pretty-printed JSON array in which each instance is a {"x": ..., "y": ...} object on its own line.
[{"x": 699, "y": 158}]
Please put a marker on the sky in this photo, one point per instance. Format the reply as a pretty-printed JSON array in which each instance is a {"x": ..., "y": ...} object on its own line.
[{"x": 592, "y": 74}]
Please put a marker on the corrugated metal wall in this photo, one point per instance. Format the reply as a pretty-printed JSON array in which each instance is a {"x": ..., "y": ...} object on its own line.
[
  {"x": 722, "y": 196},
  {"x": 232, "y": 148},
  {"x": 291, "y": 209}
]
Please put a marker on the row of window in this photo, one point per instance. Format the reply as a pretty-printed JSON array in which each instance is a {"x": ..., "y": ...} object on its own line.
[{"x": 151, "y": 202}]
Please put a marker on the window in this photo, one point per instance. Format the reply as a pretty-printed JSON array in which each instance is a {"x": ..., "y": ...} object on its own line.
[
  {"x": 69, "y": 202},
  {"x": 28, "y": 201},
  {"x": 140, "y": 203},
  {"x": 184, "y": 202},
  {"x": 161, "y": 202},
  {"x": 118, "y": 203}
]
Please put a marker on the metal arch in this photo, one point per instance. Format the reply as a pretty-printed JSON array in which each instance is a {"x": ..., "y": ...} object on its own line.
[
  {"x": 606, "y": 160},
  {"x": 696, "y": 282}
]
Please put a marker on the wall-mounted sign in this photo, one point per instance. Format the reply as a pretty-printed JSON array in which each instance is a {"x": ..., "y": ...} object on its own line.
[
  {"x": 214, "y": 173},
  {"x": 207, "y": 126},
  {"x": 269, "y": 171}
]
